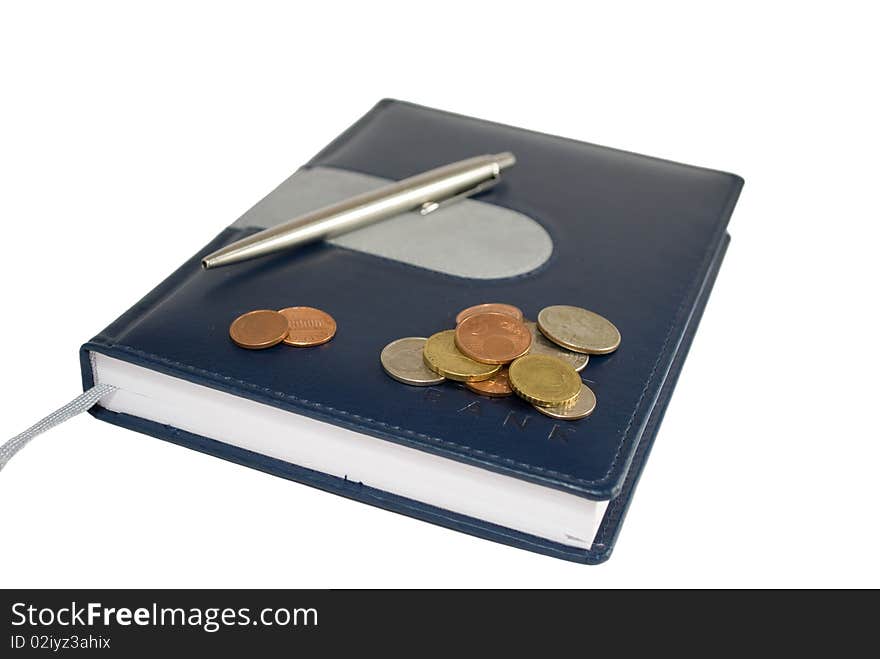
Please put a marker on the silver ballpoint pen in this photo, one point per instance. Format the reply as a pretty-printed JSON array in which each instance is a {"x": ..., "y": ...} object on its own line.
[{"x": 427, "y": 192}]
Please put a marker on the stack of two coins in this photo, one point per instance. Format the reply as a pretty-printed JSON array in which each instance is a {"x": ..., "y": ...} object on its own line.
[
  {"x": 295, "y": 326},
  {"x": 569, "y": 332}
]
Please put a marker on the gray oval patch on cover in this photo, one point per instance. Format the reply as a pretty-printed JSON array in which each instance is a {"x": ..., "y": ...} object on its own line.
[{"x": 466, "y": 239}]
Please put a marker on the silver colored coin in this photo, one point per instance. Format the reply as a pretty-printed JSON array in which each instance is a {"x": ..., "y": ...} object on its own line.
[
  {"x": 582, "y": 407},
  {"x": 541, "y": 345},
  {"x": 402, "y": 360},
  {"x": 578, "y": 329}
]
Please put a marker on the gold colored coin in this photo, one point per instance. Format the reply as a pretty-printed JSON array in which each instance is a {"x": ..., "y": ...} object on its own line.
[
  {"x": 444, "y": 358},
  {"x": 544, "y": 380},
  {"x": 579, "y": 329},
  {"x": 259, "y": 329},
  {"x": 582, "y": 407}
]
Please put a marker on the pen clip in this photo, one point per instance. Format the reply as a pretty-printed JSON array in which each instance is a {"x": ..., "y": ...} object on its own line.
[{"x": 431, "y": 206}]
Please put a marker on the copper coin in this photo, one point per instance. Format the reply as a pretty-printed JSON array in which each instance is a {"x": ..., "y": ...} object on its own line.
[
  {"x": 492, "y": 338},
  {"x": 497, "y": 386},
  {"x": 490, "y": 307},
  {"x": 308, "y": 326},
  {"x": 258, "y": 329}
]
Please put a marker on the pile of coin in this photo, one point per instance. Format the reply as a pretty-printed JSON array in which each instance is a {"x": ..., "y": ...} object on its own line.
[
  {"x": 493, "y": 351},
  {"x": 294, "y": 326}
]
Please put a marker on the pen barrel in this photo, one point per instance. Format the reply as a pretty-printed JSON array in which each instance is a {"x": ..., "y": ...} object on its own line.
[
  {"x": 366, "y": 208},
  {"x": 380, "y": 204}
]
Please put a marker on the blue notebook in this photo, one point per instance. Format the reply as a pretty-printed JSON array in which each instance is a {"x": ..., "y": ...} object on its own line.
[{"x": 636, "y": 239}]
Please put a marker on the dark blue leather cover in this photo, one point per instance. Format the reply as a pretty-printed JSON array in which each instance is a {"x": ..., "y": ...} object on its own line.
[{"x": 636, "y": 239}]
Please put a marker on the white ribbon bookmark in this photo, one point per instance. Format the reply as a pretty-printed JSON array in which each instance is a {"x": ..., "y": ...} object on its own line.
[{"x": 79, "y": 404}]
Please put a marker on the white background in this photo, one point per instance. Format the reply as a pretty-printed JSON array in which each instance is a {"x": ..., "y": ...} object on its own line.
[{"x": 129, "y": 137}]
